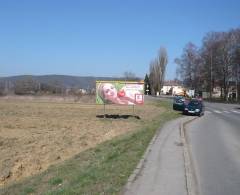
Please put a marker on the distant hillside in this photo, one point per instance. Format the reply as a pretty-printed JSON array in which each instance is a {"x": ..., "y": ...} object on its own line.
[{"x": 59, "y": 80}]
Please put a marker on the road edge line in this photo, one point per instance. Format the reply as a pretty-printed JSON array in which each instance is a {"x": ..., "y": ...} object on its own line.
[{"x": 190, "y": 179}]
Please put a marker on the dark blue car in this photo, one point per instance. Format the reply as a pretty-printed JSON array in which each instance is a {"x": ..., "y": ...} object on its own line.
[
  {"x": 178, "y": 103},
  {"x": 194, "y": 107}
]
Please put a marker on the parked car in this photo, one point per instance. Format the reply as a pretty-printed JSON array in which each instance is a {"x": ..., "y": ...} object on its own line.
[
  {"x": 194, "y": 107},
  {"x": 178, "y": 103}
]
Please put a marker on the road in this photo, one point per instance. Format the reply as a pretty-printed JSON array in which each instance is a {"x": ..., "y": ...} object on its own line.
[{"x": 214, "y": 142}]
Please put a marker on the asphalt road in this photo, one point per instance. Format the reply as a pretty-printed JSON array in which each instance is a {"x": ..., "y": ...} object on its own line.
[{"x": 214, "y": 142}]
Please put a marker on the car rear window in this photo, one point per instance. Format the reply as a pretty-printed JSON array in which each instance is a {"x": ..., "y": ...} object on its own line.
[
  {"x": 194, "y": 103},
  {"x": 179, "y": 100}
]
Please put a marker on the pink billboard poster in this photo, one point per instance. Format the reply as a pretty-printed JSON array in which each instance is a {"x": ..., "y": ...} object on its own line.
[{"x": 119, "y": 92}]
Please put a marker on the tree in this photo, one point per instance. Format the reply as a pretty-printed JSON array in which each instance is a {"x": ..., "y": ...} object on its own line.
[
  {"x": 235, "y": 37},
  {"x": 237, "y": 71},
  {"x": 2, "y": 88},
  {"x": 211, "y": 66},
  {"x": 26, "y": 86},
  {"x": 147, "y": 85},
  {"x": 129, "y": 76},
  {"x": 157, "y": 71},
  {"x": 216, "y": 63},
  {"x": 189, "y": 66}
]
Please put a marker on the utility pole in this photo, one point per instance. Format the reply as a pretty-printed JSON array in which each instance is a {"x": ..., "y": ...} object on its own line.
[
  {"x": 211, "y": 75},
  {"x": 147, "y": 90},
  {"x": 237, "y": 82}
]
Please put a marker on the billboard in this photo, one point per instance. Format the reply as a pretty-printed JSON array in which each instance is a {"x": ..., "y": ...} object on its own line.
[{"x": 119, "y": 92}]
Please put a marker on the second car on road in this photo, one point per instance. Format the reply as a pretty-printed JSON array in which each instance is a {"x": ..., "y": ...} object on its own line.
[{"x": 194, "y": 107}]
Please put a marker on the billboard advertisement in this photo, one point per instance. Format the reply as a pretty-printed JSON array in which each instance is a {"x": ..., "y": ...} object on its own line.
[{"x": 119, "y": 92}]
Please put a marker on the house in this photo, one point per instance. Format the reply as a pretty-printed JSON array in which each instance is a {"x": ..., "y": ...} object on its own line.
[{"x": 172, "y": 87}]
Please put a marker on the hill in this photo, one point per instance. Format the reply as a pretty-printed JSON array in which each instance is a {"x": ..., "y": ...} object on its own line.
[
  {"x": 51, "y": 81},
  {"x": 84, "y": 82}
]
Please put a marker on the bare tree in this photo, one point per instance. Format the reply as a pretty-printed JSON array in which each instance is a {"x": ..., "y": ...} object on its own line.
[
  {"x": 162, "y": 61},
  {"x": 237, "y": 71},
  {"x": 157, "y": 71},
  {"x": 235, "y": 38},
  {"x": 211, "y": 73},
  {"x": 2, "y": 88},
  {"x": 128, "y": 76},
  {"x": 216, "y": 63},
  {"x": 27, "y": 86},
  {"x": 189, "y": 66}
]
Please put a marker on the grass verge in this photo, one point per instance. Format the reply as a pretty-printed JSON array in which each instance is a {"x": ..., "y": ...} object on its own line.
[{"x": 100, "y": 170}]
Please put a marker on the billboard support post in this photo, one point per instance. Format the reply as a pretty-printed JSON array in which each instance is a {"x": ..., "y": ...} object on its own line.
[{"x": 104, "y": 110}]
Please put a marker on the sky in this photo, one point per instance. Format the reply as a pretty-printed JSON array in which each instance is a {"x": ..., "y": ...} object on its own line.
[{"x": 104, "y": 37}]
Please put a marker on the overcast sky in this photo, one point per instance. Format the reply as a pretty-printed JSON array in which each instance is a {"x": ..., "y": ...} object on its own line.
[{"x": 104, "y": 37}]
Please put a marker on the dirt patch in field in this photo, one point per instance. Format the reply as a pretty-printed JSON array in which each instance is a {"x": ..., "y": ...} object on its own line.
[{"x": 35, "y": 135}]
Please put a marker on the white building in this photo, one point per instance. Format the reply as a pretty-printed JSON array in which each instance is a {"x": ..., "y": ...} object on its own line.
[{"x": 172, "y": 88}]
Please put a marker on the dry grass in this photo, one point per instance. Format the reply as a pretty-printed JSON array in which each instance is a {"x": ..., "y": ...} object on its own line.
[{"x": 35, "y": 135}]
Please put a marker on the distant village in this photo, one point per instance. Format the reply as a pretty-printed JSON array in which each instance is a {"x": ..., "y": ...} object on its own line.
[
  {"x": 30, "y": 86},
  {"x": 176, "y": 87}
]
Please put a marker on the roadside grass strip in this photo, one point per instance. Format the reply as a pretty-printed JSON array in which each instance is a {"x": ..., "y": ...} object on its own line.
[{"x": 103, "y": 169}]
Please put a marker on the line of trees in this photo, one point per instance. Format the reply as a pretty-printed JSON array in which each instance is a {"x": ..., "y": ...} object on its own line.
[
  {"x": 129, "y": 76},
  {"x": 32, "y": 87},
  {"x": 216, "y": 63},
  {"x": 157, "y": 70}
]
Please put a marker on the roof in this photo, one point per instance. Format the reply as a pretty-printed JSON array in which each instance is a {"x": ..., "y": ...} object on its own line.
[{"x": 172, "y": 83}]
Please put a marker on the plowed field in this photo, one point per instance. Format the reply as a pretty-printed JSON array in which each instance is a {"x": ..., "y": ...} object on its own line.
[{"x": 35, "y": 135}]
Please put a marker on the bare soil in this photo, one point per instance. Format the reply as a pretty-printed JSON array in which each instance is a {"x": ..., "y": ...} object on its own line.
[{"x": 35, "y": 134}]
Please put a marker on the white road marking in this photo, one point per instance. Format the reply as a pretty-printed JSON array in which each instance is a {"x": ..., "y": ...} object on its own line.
[
  {"x": 222, "y": 111},
  {"x": 235, "y": 111},
  {"x": 226, "y": 112},
  {"x": 208, "y": 112}
]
